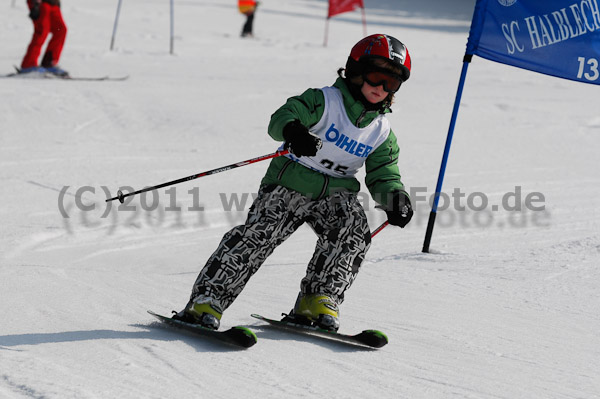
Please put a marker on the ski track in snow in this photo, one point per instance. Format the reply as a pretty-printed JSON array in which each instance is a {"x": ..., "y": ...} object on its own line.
[{"x": 504, "y": 306}]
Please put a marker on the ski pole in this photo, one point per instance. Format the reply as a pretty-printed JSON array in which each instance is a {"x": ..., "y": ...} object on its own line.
[
  {"x": 377, "y": 230},
  {"x": 121, "y": 197}
]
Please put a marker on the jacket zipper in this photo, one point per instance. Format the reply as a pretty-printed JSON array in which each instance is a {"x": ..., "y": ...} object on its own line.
[{"x": 361, "y": 117}]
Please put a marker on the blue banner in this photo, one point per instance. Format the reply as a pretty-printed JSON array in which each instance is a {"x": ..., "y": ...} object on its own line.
[{"x": 555, "y": 37}]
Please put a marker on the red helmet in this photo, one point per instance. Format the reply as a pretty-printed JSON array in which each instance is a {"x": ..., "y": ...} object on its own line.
[{"x": 378, "y": 46}]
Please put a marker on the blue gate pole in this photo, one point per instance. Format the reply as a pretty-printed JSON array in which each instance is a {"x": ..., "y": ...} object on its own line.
[
  {"x": 438, "y": 188},
  {"x": 114, "y": 33}
]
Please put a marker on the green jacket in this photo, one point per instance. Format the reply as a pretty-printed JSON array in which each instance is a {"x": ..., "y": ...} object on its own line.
[{"x": 382, "y": 174}]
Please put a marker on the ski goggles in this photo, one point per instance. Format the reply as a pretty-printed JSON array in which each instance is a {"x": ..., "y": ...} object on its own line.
[{"x": 377, "y": 77}]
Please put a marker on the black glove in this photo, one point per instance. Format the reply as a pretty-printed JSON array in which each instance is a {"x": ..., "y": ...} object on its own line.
[
  {"x": 34, "y": 13},
  {"x": 299, "y": 141},
  {"x": 399, "y": 210}
]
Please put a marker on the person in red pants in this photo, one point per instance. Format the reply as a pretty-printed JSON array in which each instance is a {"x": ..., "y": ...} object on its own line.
[{"x": 47, "y": 19}]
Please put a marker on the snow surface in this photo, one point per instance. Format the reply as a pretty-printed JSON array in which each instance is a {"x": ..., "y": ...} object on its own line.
[{"x": 506, "y": 305}]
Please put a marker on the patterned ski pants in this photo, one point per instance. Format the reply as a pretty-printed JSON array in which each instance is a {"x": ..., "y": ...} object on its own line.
[{"x": 343, "y": 240}]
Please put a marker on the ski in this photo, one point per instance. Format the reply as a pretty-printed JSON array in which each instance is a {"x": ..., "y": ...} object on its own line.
[
  {"x": 94, "y": 79},
  {"x": 237, "y": 336},
  {"x": 369, "y": 338},
  {"x": 34, "y": 75}
]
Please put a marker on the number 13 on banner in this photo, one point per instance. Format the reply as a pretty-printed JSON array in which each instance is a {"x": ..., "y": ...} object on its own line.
[{"x": 588, "y": 69}]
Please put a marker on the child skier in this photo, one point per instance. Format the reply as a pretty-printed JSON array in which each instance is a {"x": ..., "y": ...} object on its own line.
[
  {"x": 47, "y": 18},
  {"x": 330, "y": 133}
]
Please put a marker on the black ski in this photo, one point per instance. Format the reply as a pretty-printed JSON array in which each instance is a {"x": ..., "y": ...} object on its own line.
[
  {"x": 370, "y": 338},
  {"x": 237, "y": 336}
]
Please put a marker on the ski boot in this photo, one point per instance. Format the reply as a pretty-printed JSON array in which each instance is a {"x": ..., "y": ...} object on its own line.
[
  {"x": 202, "y": 312},
  {"x": 57, "y": 71},
  {"x": 32, "y": 70},
  {"x": 316, "y": 309}
]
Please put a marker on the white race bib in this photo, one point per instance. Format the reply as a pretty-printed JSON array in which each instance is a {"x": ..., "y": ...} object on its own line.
[{"x": 345, "y": 146}]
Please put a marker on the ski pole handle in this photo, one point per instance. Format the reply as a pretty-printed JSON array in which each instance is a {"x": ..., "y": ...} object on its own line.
[{"x": 121, "y": 196}]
